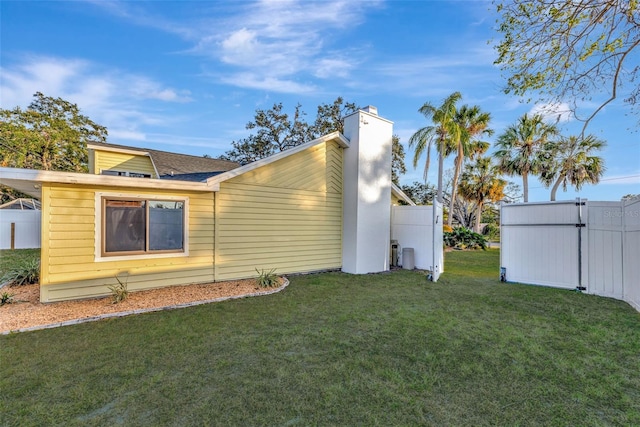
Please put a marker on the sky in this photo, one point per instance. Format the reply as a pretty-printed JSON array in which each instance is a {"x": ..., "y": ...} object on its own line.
[{"x": 188, "y": 76}]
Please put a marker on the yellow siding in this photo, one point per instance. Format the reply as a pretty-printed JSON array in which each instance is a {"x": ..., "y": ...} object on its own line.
[
  {"x": 286, "y": 215},
  {"x": 68, "y": 263},
  {"x": 107, "y": 160}
]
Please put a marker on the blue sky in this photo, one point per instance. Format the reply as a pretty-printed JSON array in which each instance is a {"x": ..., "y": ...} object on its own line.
[{"x": 187, "y": 76}]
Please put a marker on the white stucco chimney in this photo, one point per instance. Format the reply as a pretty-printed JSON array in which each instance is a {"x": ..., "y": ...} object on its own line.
[{"x": 366, "y": 192}]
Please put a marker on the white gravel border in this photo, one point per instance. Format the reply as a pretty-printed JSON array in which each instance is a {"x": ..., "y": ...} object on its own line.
[{"x": 146, "y": 310}]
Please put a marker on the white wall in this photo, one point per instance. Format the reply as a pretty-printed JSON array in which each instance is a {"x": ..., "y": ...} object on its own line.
[
  {"x": 27, "y": 228},
  {"x": 416, "y": 227},
  {"x": 366, "y": 193}
]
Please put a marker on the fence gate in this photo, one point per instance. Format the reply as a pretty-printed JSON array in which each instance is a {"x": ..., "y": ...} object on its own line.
[
  {"x": 591, "y": 246},
  {"x": 541, "y": 243},
  {"x": 605, "y": 250}
]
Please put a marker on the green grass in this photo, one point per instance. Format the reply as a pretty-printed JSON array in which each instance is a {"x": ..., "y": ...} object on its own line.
[
  {"x": 9, "y": 259},
  {"x": 341, "y": 350}
]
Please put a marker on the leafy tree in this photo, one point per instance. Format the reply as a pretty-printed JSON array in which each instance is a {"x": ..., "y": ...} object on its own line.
[
  {"x": 442, "y": 132},
  {"x": 571, "y": 50},
  {"x": 329, "y": 117},
  {"x": 630, "y": 196},
  {"x": 520, "y": 146},
  {"x": 248, "y": 150},
  {"x": 481, "y": 183},
  {"x": 276, "y": 131},
  {"x": 50, "y": 134},
  {"x": 472, "y": 123},
  {"x": 571, "y": 161},
  {"x": 397, "y": 160},
  {"x": 420, "y": 192}
]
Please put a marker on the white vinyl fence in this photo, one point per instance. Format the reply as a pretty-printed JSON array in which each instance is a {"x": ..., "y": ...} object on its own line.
[
  {"x": 420, "y": 228},
  {"x": 591, "y": 246},
  {"x": 25, "y": 231}
]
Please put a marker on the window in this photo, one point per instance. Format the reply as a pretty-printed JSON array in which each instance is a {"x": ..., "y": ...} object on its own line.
[
  {"x": 142, "y": 226},
  {"x": 122, "y": 173}
]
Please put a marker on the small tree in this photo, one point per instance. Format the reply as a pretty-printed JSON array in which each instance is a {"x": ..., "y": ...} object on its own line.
[
  {"x": 519, "y": 148},
  {"x": 444, "y": 132},
  {"x": 480, "y": 183},
  {"x": 571, "y": 161}
]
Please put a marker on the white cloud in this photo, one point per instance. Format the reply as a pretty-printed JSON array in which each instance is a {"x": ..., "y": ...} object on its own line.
[
  {"x": 333, "y": 67},
  {"x": 113, "y": 98},
  {"x": 279, "y": 40},
  {"x": 273, "y": 84}
]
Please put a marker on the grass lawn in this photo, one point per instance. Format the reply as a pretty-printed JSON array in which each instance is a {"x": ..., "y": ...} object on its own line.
[{"x": 341, "y": 350}]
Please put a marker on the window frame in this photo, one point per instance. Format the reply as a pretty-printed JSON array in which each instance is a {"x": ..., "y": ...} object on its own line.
[
  {"x": 131, "y": 174},
  {"x": 100, "y": 227}
]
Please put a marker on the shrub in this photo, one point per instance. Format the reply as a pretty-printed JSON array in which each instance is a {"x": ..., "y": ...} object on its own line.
[
  {"x": 26, "y": 272},
  {"x": 119, "y": 292},
  {"x": 447, "y": 228},
  {"x": 267, "y": 279},
  {"x": 6, "y": 298},
  {"x": 463, "y": 238}
]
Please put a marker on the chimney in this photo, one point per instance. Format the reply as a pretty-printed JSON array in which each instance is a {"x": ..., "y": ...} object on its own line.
[
  {"x": 371, "y": 110},
  {"x": 366, "y": 192}
]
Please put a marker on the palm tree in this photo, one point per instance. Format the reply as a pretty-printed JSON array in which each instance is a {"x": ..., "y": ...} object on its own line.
[
  {"x": 480, "y": 183},
  {"x": 519, "y": 148},
  {"x": 572, "y": 162},
  {"x": 443, "y": 130},
  {"x": 472, "y": 123}
]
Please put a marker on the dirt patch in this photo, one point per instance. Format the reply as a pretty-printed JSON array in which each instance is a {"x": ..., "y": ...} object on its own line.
[{"x": 26, "y": 311}]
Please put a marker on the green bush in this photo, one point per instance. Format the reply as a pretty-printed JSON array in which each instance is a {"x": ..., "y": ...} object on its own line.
[
  {"x": 463, "y": 238},
  {"x": 267, "y": 279},
  {"x": 6, "y": 298},
  {"x": 491, "y": 230},
  {"x": 26, "y": 272},
  {"x": 119, "y": 292}
]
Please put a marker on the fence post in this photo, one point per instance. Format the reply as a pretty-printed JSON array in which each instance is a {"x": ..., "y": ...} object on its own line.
[{"x": 13, "y": 235}]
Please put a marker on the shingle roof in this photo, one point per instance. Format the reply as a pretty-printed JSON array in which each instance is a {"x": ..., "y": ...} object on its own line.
[{"x": 180, "y": 164}]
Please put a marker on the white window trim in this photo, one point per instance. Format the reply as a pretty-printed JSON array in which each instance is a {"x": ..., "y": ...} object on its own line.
[{"x": 98, "y": 226}]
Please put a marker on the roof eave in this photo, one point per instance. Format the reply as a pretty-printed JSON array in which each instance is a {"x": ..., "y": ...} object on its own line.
[
  {"x": 401, "y": 195},
  {"x": 8, "y": 175}
]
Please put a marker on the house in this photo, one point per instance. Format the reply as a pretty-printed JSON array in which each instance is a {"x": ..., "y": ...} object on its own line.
[{"x": 164, "y": 219}]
